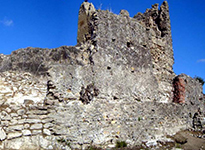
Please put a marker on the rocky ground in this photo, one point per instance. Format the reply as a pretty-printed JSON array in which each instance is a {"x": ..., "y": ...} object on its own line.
[
  {"x": 190, "y": 140},
  {"x": 183, "y": 140}
]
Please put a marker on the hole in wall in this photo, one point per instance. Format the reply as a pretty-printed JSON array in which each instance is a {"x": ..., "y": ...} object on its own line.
[
  {"x": 94, "y": 43},
  {"x": 113, "y": 40},
  {"x": 115, "y": 97},
  {"x": 48, "y": 74},
  {"x": 128, "y": 44},
  {"x": 137, "y": 99},
  {"x": 108, "y": 67}
]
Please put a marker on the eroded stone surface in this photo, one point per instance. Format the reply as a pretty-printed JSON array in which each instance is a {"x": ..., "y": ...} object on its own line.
[
  {"x": 26, "y": 132},
  {"x": 12, "y": 135},
  {"x": 108, "y": 88},
  {"x": 2, "y": 134},
  {"x": 36, "y": 126}
]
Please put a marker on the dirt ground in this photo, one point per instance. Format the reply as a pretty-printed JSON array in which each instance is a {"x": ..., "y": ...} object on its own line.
[
  {"x": 183, "y": 140},
  {"x": 194, "y": 140}
]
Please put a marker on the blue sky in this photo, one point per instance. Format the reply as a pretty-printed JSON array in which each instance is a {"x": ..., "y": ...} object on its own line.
[{"x": 53, "y": 23}]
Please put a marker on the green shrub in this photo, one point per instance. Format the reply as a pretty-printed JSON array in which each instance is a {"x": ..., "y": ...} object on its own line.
[
  {"x": 178, "y": 145},
  {"x": 121, "y": 144},
  {"x": 63, "y": 141},
  {"x": 201, "y": 80}
]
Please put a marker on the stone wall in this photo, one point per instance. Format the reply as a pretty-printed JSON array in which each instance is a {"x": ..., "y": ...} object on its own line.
[
  {"x": 22, "y": 110},
  {"x": 143, "y": 42},
  {"x": 29, "y": 121},
  {"x": 157, "y": 22},
  {"x": 123, "y": 57},
  {"x": 188, "y": 90}
]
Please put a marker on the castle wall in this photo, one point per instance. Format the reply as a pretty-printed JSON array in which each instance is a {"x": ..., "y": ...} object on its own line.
[
  {"x": 157, "y": 22},
  {"x": 144, "y": 43},
  {"x": 32, "y": 122},
  {"x": 119, "y": 64},
  {"x": 107, "y": 88},
  {"x": 122, "y": 61}
]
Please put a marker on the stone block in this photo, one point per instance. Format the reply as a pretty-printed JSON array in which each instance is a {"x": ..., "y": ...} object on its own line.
[
  {"x": 47, "y": 120},
  {"x": 21, "y": 112},
  {"x": 14, "y": 115},
  {"x": 26, "y": 126},
  {"x": 4, "y": 123},
  {"x": 16, "y": 128},
  {"x": 36, "y": 126},
  {"x": 46, "y": 132},
  {"x": 26, "y": 132},
  {"x": 13, "y": 122},
  {"x": 44, "y": 143},
  {"x": 8, "y": 110},
  {"x": 48, "y": 125},
  {"x": 34, "y": 132},
  {"x": 32, "y": 121},
  {"x": 2, "y": 134},
  {"x": 21, "y": 121},
  {"x": 13, "y": 135},
  {"x": 37, "y": 112},
  {"x": 181, "y": 139},
  {"x": 124, "y": 13}
]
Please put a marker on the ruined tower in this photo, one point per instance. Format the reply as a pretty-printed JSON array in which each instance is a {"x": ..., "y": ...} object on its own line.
[
  {"x": 147, "y": 36},
  {"x": 108, "y": 88}
]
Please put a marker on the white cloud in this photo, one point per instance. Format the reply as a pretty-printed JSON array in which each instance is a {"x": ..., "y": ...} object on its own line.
[
  {"x": 7, "y": 22},
  {"x": 201, "y": 60}
]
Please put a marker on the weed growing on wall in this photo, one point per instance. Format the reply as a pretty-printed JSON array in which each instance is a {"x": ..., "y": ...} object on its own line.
[
  {"x": 201, "y": 80},
  {"x": 121, "y": 144}
]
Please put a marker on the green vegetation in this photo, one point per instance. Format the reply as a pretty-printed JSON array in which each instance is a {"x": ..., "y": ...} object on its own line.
[
  {"x": 137, "y": 99},
  {"x": 201, "y": 80},
  {"x": 121, "y": 144},
  {"x": 93, "y": 148},
  {"x": 63, "y": 141},
  {"x": 178, "y": 145}
]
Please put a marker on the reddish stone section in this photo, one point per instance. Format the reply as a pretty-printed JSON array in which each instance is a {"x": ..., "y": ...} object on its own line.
[{"x": 179, "y": 90}]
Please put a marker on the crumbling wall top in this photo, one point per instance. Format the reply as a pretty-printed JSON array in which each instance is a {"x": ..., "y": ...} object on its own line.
[
  {"x": 157, "y": 19},
  {"x": 85, "y": 14}
]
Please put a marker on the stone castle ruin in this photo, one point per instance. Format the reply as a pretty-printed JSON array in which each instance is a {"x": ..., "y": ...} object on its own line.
[{"x": 116, "y": 84}]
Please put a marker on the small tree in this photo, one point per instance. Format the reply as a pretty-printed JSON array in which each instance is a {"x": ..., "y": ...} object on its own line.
[{"x": 201, "y": 80}]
